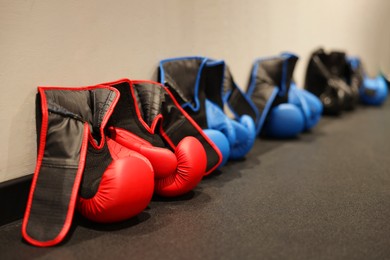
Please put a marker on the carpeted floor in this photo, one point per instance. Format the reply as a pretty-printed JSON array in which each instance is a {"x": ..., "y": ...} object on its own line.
[{"x": 325, "y": 195}]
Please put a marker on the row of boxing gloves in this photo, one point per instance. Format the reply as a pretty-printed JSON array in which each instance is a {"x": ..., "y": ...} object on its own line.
[{"x": 106, "y": 149}]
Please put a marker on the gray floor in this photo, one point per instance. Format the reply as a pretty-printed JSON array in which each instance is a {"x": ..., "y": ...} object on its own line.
[{"x": 325, "y": 195}]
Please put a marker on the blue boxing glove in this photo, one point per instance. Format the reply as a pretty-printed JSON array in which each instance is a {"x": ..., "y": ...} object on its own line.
[
  {"x": 221, "y": 141},
  {"x": 198, "y": 85},
  {"x": 269, "y": 89},
  {"x": 373, "y": 91},
  {"x": 309, "y": 104},
  {"x": 241, "y": 135},
  {"x": 284, "y": 121},
  {"x": 245, "y": 136},
  {"x": 216, "y": 119}
]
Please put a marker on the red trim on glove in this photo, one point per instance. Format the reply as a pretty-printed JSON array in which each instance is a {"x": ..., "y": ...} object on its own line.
[{"x": 72, "y": 203}]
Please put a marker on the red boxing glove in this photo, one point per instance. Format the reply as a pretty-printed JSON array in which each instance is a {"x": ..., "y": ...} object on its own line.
[
  {"x": 125, "y": 188},
  {"x": 162, "y": 159},
  {"x": 174, "y": 172},
  {"x": 78, "y": 164}
]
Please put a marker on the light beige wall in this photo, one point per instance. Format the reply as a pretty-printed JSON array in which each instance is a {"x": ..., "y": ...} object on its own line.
[{"x": 73, "y": 43}]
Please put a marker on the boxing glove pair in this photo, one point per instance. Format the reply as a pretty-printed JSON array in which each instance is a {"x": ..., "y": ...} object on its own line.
[
  {"x": 285, "y": 110},
  {"x": 78, "y": 166},
  {"x": 197, "y": 83},
  {"x": 148, "y": 119},
  {"x": 328, "y": 76},
  {"x": 373, "y": 91},
  {"x": 223, "y": 93},
  {"x": 241, "y": 104}
]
